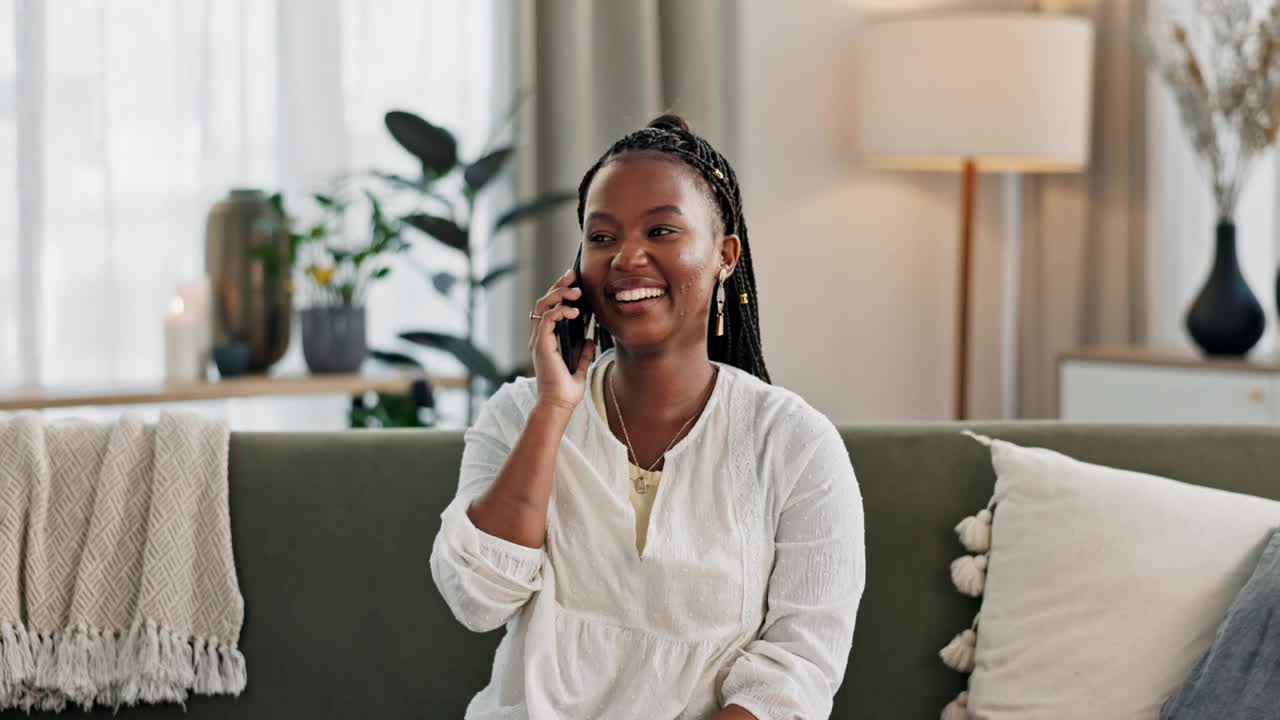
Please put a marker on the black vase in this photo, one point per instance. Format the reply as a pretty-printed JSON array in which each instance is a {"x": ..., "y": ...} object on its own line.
[{"x": 1225, "y": 318}]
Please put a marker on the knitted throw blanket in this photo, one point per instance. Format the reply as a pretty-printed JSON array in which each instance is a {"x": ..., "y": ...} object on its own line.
[{"x": 117, "y": 583}]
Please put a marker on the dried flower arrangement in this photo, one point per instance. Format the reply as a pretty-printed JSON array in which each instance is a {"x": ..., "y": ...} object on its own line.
[{"x": 1226, "y": 79}]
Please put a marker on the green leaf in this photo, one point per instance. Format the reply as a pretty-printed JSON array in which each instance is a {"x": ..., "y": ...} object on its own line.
[
  {"x": 317, "y": 232},
  {"x": 423, "y": 186},
  {"x": 434, "y": 146},
  {"x": 339, "y": 254},
  {"x": 443, "y": 282},
  {"x": 420, "y": 391},
  {"x": 403, "y": 181},
  {"x": 325, "y": 201},
  {"x": 394, "y": 358},
  {"x": 537, "y": 206},
  {"x": 476, "y": 362},
  {"x": 497, "y": 273},
  {"x": 479, "y": 173},
  {"x": 395, "y": 410},
  {"x": 381, "y": 272},
  {"x": 446, "y": 231},
  {"x": 277, "y": 202}
]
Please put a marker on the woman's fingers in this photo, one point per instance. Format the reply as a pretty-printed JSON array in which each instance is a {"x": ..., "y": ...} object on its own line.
[
  {"x": 555, "y": 297},
  {"x": 560, "y": 312},
  {"x": 551, "y": 307},
  {"x": 547, "y": 325},
  {"x": 563, "y": 280}
]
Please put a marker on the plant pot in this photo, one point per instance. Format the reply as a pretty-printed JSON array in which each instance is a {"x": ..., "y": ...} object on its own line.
[
  {"x": 333, "y": 338},
  {"x": 1225, "y": 318}
]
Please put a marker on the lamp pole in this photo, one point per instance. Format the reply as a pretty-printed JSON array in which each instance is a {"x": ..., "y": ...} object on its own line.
[{"x": 969, "y": 192}]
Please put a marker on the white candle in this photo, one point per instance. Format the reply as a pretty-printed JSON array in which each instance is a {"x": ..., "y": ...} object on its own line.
[
  {"x": 197, "y": 304},
  {"x": 181, "y": 344}
]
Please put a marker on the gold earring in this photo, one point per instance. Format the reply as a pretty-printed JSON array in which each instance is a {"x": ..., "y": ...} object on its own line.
[
  {"x": 742, "y": 299},
  {"x": 720, "y": 305}
]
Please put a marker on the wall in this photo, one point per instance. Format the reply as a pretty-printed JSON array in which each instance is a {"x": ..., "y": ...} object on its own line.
[{"x": 856, "y": 269}]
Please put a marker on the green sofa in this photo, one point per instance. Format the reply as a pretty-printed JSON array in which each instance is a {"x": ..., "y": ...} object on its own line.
[{"x": 332, "y": 534}]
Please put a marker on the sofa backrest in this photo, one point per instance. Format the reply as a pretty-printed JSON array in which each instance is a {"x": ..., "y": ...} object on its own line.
[
  {"x": 332, "y": 533},
  {"x": 918, "y": 482}
]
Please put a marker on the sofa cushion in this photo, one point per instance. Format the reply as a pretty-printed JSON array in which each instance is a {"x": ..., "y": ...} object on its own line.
[
  {"x": 1236, "y": 677},
  {"x": 1103, "y": 585}
]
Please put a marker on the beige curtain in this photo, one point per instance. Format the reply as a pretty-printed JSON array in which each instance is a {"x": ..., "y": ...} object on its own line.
[
  {"x": 598, "y": 69},
  {"x": 1083, "y": 272}
]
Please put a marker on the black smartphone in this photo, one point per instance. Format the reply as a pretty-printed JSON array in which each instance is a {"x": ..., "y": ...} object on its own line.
[{"x": 572, "y": 332}]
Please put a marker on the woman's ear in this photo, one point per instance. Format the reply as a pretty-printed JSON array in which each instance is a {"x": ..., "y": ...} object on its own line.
[{"x": 730, "y": 249}]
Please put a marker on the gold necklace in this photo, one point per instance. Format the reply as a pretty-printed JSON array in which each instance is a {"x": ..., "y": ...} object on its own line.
[{"x": 641, "y": 480}]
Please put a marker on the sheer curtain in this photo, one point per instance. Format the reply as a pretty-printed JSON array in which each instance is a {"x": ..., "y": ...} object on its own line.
[{"x": 122, "y": 122}]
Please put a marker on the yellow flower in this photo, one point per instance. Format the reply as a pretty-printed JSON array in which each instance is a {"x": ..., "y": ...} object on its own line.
[{"x": 322, "y": 275}]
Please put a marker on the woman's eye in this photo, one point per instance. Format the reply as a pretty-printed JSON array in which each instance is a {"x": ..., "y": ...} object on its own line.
[
  {"x": 660, "y": 231},
  {"x": 599, "y": 237}
]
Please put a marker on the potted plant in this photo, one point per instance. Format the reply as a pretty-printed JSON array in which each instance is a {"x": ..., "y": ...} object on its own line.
[
  {"x": 445, "y": 216},
  {"x": 333, "y": 273}
]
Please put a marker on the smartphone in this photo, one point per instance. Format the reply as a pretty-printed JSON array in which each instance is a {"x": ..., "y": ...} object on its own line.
[{"x": 572, "y": 332}]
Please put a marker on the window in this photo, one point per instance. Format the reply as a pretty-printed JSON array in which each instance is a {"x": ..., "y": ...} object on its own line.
[{"x": 145, "y": 114}]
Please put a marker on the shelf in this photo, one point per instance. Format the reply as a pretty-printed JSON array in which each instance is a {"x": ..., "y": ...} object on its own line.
[
  {"x": 1145, "y": 356},
  {"x": 43, "y": 397}
]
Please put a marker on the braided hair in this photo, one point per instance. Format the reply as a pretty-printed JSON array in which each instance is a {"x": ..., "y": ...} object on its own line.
[{"x": 670, "y": 135}]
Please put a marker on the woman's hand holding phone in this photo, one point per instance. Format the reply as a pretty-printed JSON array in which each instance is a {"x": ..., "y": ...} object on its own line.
[{"x": 557, "y": 387}]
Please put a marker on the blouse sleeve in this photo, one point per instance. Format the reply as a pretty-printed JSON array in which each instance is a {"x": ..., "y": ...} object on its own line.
[
  {"x": 794, "y": 667},
  {"x": 484, "y": 579}
]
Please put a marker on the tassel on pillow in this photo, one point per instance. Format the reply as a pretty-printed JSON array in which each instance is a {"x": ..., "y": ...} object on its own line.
[
  {"x": 959, "y": 653},
  {"x": 975, "y": 532},
  {"x": 969, "y": 573},
  {"x": 957, "y": 709}
]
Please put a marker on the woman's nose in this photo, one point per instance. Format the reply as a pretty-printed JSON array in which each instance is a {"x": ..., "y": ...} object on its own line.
[{"x": 632, "y": 253}]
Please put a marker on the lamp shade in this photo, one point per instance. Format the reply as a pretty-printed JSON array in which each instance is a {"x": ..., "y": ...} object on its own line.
[{"x": 1010, "y": 91}]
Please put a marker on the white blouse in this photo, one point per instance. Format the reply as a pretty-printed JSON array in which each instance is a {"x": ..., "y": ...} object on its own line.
[{"x": 746, "y": 592}]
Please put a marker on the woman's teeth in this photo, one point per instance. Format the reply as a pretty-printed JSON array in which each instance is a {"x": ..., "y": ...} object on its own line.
[{"x": 638, "y": 294}]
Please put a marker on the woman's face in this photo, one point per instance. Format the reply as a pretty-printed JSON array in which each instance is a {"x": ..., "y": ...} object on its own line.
[{"x": 652, "y": 251}]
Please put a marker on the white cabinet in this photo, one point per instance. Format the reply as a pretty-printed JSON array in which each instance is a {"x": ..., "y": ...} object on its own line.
[{"x": 1147, "y": 386}]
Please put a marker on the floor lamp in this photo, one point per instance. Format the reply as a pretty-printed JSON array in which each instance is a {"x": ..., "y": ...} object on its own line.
[{"x": 971, "y": 93}]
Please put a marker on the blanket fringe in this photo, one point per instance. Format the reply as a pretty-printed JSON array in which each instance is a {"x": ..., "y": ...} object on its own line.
[
  {"x": 78, "y": 651},
  {"x": 15, "y": 662},
  {"x": 46, "y": 663},
  {"x": 85, "y": 665}
]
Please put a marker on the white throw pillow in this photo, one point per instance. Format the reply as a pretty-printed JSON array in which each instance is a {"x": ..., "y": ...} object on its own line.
[{"x": 1103, "y": 586}]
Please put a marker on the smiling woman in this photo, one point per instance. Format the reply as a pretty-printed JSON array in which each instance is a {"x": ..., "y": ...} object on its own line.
[
  {"x": 701, "y": 187},
  {"x": 663, "y": 532}
]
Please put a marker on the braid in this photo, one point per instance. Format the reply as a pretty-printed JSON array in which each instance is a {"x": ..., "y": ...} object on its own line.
[{"x": 740, "y": 345}]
